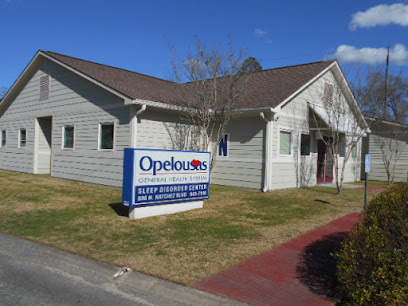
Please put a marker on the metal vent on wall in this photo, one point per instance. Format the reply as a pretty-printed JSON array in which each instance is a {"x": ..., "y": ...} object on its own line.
[{"x": 44, "y": 87}]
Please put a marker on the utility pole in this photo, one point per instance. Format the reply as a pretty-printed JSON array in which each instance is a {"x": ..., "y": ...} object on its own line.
[{"x": 386, "y": 117}]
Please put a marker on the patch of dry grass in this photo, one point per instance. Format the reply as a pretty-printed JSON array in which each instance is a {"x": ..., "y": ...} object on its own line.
[{"x": 234, "y": 224}]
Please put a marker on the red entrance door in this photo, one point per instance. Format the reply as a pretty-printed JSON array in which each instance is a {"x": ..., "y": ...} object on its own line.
[{"x": 324, "y": 163}]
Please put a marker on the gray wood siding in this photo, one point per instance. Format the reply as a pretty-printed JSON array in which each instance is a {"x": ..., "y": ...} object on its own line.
[
  {"x": 11, "y": 156},
  {"x": 244, "y": 165},
  {"x": 294, "y": 170},
  {"x": 243, "y": 168},
  {"x": 72, "y": 101},
  {"x": 400, "y": 164}
]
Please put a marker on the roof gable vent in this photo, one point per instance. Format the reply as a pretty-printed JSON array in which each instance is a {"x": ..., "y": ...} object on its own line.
[{"x": 44, "y": 87}]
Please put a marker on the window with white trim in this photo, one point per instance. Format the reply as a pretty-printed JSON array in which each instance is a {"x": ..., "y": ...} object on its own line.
[
  {"x": 3, "y": 136},
  {"x": 106, "y": 136},
  {"x": 68, "y": 137},
  {"x": 22, "y": 138},
  {"x": 223, "y": 146},
  {"x": 285, "y": 143}
]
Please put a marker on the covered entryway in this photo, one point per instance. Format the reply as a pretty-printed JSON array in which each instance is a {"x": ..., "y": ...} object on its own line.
[
  {"x": 324, "y": 162},
  {"x": 43, "y": 145}
]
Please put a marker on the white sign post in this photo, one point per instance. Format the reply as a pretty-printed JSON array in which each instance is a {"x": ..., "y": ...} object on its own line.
[{"x": 157, "y": 182}]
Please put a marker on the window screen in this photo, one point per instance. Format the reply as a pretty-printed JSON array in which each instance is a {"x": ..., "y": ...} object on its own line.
[{"x": 285, "y": 143}]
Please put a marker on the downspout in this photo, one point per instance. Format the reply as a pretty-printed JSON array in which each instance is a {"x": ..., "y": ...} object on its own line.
[
  {"x": 141, "y": 110},
  {"x": 133, "y": 124},
  {"x": 268, "y": 151}
]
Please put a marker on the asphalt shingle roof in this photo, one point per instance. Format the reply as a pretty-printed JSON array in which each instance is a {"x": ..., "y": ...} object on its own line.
[{"x": 267, "y": 88}]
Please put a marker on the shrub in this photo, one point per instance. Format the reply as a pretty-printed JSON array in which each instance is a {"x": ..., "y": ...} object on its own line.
[{"x": 373, "y": 263}]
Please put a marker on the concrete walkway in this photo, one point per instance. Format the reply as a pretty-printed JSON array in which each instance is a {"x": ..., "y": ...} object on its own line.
[{"x": 299, "y": 272}]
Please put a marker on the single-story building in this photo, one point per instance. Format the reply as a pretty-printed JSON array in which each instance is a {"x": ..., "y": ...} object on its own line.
[
  {"x": 388, "y": 146},
  {"x": 72, "y": 119}
]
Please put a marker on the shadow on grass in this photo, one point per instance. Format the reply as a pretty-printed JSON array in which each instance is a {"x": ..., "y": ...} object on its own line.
[
  {"x": 322, "y": 201},
  {"x": 317, "y": 269},
  {"x": 121, "y": 210}
]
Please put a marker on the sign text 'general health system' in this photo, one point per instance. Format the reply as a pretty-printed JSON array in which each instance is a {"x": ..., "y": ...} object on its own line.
[{"x": 165, "y": 176}]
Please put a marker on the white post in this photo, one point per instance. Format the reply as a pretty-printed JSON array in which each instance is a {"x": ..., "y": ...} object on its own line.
[
  {"x": 268, "y": 152},
  {"x": 133, "y": 139}
]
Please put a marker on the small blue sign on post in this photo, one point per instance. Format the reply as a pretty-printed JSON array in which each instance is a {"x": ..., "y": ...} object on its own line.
[
  {"x": 156, "y": 177},
  {"x": 367, "y": 170},
  {"x": 367, "y": 163}
]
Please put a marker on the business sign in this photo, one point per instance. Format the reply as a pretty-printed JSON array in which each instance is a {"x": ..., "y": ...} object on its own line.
[
  {"x": 367, "y": 163},
  {"x": 153, "y": 177}
]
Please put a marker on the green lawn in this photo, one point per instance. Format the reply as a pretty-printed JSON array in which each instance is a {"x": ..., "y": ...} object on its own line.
[
  {"x": 373, "y": 183},
  {"x": 234, "y": 224}
]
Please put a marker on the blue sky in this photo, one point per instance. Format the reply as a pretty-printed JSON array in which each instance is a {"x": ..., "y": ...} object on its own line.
[{"x": 136, "y": 34}]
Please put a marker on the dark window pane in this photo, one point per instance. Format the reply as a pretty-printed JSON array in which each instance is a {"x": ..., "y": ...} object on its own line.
[
  {"x": 305, "y": 145},
  {"x": 23, "y": 138},
  {"x": 106, "y": 136},
  {"x": 3, "y": 138},
  {"x": 69, "y": 137}
]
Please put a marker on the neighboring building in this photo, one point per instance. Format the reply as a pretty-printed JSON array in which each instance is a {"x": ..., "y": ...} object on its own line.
[
  {"x": 72, "y": 118},
  {"x": 388, "y": 146}
]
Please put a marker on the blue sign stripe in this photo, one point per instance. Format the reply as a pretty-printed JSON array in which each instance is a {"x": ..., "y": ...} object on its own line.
[{"x": 128, "y": 177}]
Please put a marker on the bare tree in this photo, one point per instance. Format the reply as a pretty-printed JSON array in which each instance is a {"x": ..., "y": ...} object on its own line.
[
  {"x": 339, "y": 126},
  {"x": 371, "y": 93},
  {"x": 211, "y": 86},
  {"x": 388, "y": 127}
]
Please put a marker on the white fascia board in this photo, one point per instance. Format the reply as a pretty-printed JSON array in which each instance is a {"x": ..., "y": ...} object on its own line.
[
  {"x": 159, "y": 105},
  {"x": 253, "y": 111},
  {"x": 166, "y": 106},
  {"x": 387, "y": 122},
  {"x": 304, "y": 86},
  {"x": 115, "y": 92},
  {"x": 367, "y": 129}
]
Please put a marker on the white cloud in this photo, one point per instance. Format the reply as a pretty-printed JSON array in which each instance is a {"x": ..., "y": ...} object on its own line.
[
  {"x": 381, "y": 15},
  {"x": 372, "y": 56},
  {"x": 260, "y": 32}
]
